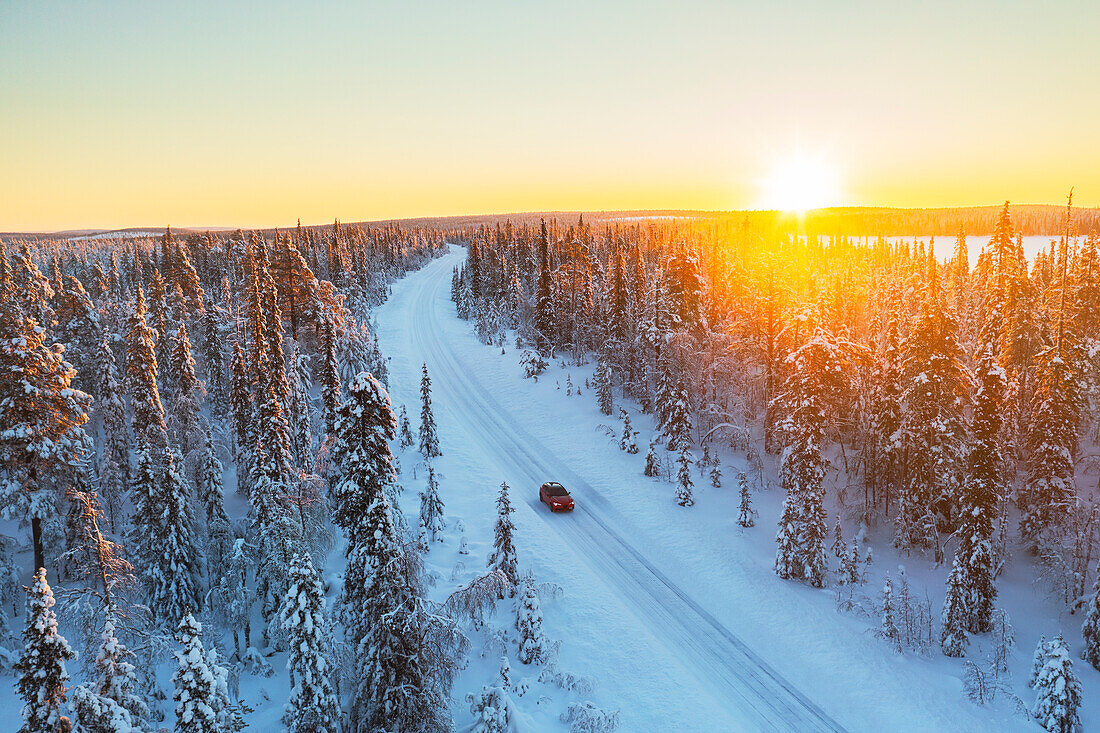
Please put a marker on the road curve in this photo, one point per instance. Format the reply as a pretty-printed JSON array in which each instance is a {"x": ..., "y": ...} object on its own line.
[{"x": 736, "y": 675}]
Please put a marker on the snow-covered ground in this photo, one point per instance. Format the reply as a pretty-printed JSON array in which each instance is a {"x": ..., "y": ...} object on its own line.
[
  {"x": 676, "y": 612},
  {"x": 672, "y": 616}
]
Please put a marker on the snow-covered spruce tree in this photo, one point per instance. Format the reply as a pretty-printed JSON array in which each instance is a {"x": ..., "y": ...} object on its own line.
[
  {"x": 1057, "y": 691},
  {"x": 980, "y": 495},
  {"x": 888, "y": 629},
  {"x": 529, "y": 624},
  {"x": 628, "y": 441},
  {"x": 838, "y": 548},
  {"x": 41, "y": 667},
  {"x": 97, "y": 714},
  {"x": 432, "y": 523},
  {"x": 814, "y": 371},
  {"x": 503, "y": 557},
  {"x": 330, "y": 377},
  {"x": 272, "y": 476},
  {"x": 211, "y": 338},
  {"x": 936, "y": 387},
  {"x": 240, "y": 406},
  {"x": 678, "y": 425},
  {"x": 405, "y": 430},
  {"x": 301, "y": 409},
  {"x": 1049, "y": 492},
  {"x": 111, "y": 704},
  {"x": 602, "y": 378},
  {"x": 492, "y": 711},
  {"x": 312, "y": 707},
  {"x": 544, "y": 302},
  {"x": 373, "y": 589},
  {"x": 429, "y": 440},
  {"x": 885, "y": 466},
  {"x": 202, "y": 692},
  {"x": 953, "y": 629},
  {"x": 652, "y": 460},
  {"x": 186, "y": 414},
  {"x": 41, "y": 418},
  {"x": 746, "y": 515},
  {"x": 147, "y": 413},
  {"x": 114, "y": 439},
  {"x": 372, "y": 584},
  {"x": 1038, "y": 659},
  {"x": 233, "y": 599},
  {"x": 364, "y": 428},
  {"x": 172, "y": 574},
  {"x": 1090, "y": 630},
  {"x": 211, "y": 495},
  {"x": 115, "y": 673},
  {"x": 683, "y": 479}
]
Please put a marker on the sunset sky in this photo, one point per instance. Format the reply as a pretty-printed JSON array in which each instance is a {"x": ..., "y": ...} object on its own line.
[{"x": 254, "y": 114}]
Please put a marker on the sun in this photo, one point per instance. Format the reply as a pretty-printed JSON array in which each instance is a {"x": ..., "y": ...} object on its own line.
[{"x": 800, "y": 183}]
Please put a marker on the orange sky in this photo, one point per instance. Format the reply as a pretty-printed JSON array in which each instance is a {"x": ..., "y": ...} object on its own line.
[{"x": 237, "y": 114}]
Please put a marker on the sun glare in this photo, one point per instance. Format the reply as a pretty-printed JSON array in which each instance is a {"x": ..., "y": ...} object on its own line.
[{"x": 799, "y": 183}]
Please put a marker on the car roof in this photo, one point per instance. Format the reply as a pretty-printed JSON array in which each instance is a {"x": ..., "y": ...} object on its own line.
[{"x": 552, "y": 483}]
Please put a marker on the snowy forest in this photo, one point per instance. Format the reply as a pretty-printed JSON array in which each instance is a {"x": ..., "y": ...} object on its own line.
[
  {"x": 946, "y": 409},
  {"x": 215, "y": 517}
]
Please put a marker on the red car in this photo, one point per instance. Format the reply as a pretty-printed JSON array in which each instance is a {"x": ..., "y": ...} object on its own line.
[{"x": 554, "y": 495}]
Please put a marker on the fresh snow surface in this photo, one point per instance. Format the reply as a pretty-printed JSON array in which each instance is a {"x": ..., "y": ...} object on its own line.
[
  {"x": 672, "y": 616},
  {"x": 677, "y": 613}
]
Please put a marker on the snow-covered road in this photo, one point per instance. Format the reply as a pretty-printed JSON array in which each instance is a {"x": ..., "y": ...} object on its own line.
[{"x": 619, "y": 554}]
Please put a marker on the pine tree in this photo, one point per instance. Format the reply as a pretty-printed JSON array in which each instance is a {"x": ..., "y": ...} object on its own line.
[
  {"x": 202, "y": 693},
  {"x": 1057, "y": 691},
  {"x": 42, "y": 417},
  {"x": 429, "y": 441},
  {"x": 746, "y": 515},
  {"x": 41, "y": 667},
  {"x": 628, "y": 441},
  {"x": 503, "y": 557},
  {"x": 529, "y": 624},
  {"x": 953, "y": 636},
  {"x": 432, "y": 523},
  {"x": 312, "y": 706},
  {"x": 683, "y": 479}
]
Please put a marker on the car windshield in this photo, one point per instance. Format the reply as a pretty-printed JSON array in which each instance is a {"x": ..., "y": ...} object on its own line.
[{"x": 556, "y": 490}]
